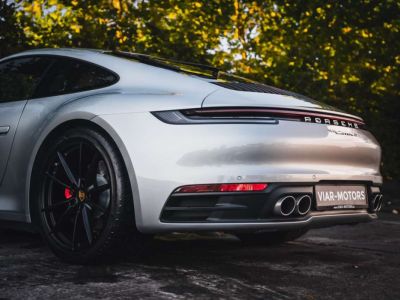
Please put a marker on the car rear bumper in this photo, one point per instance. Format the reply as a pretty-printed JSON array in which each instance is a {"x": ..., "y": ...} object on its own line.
[
  {"x": 249, "y": 211},
  {"x": 315, "y": 220}
]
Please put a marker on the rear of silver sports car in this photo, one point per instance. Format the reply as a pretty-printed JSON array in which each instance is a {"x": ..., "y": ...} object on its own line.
[{"x": 251, "y": 160}]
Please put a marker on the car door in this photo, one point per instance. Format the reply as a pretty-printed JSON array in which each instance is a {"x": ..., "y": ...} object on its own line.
[{"x": 19, "y": 78}]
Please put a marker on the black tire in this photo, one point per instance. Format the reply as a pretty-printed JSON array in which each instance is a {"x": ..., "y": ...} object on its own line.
[
  {"x": 270, "y": 238},
  {"x": 95, "y": 217}
]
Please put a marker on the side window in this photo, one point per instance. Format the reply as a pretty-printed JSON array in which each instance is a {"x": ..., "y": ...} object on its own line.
[
  {"x": 72, "y": 75},
  {"x": 19, "y": 77}
]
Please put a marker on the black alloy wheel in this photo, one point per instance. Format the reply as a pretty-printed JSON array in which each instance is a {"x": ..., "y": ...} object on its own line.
[{"x": 85, "y": 207}]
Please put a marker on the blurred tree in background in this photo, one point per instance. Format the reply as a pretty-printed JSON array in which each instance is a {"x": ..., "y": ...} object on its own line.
[
  {"x": 344, "y": 53},
  {"x": 12, "y": 38}
]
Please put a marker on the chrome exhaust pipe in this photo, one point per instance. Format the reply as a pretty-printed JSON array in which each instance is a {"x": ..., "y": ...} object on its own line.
[
  {"x": 285, "y": 206},
  {"x": 377, "y": 202},
  {"x": 303, "y": 205}
]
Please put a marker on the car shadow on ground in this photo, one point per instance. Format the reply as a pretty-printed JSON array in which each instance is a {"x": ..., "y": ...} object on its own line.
[{"x": 326, "y": 263}]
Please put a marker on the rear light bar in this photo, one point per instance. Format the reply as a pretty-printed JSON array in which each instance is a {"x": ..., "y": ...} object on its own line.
[
  {"x": 223, "y": 187},
  {"x": 271, "y": 112},
  {"x": 191, "y": 117},
  {"x": 234, "y": 115}
]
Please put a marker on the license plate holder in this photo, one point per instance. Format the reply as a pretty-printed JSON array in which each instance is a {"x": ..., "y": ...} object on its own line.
[{"x": 334, "y": 197}]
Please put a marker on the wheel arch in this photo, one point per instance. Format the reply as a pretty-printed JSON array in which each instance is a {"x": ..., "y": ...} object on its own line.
[{"x": 95, "y": 124}]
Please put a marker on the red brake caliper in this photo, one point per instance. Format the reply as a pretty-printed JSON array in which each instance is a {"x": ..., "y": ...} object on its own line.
[{"x": 67, "y": 193}]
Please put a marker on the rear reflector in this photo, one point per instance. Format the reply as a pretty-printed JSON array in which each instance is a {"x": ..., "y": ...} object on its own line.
[{"x": 224, "y": 187}]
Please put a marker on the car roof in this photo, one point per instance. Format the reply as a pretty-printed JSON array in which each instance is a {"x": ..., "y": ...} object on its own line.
[
  {"x": 74, "y": 52},
  {"x": 90, "y": 54},
  {"x": 58, "y": 50}
]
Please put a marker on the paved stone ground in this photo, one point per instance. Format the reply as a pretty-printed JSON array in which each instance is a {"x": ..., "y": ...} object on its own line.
[{"x": 342, "y": 262}]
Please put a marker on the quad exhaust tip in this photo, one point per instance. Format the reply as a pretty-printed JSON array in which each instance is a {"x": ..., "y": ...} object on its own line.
[
  {"x": 377, "y": 202},
  {"x": 289, "y": 205},
  {"x": 303, "y": 205},
  {"x": 285, "y": 206}
]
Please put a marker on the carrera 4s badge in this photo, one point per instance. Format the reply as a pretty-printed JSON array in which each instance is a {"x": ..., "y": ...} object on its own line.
[{"x": 340, "y": 132}]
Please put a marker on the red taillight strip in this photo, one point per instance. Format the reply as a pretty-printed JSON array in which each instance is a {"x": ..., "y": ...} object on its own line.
[
  {"x": 275, "y": 112},
  {"x": 223, "y": 187}
]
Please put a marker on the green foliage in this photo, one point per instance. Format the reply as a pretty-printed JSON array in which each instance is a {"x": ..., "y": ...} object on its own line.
[
  {"x": 345, "y": 53},
  {"x": 12, "y": 37}
]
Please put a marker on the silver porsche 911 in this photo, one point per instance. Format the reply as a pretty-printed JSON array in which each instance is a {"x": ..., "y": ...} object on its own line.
[{"x": 97, "y": 147}]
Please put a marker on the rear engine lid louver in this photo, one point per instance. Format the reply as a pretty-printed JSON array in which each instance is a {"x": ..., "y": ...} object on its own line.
[{"x": 257, "y": 88}]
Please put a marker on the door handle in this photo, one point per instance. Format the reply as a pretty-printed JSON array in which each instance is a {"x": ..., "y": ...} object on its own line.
[{"x": 4, "y": 130}]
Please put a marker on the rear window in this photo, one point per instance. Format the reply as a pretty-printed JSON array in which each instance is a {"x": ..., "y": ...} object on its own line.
[{"x": 72, "y": 75}]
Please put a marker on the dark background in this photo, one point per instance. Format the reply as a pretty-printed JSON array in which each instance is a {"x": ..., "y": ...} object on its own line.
[{"x": 344, "y": 53}]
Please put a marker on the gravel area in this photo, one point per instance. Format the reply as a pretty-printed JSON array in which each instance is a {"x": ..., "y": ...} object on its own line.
[{"x": 342, "y": 262}]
